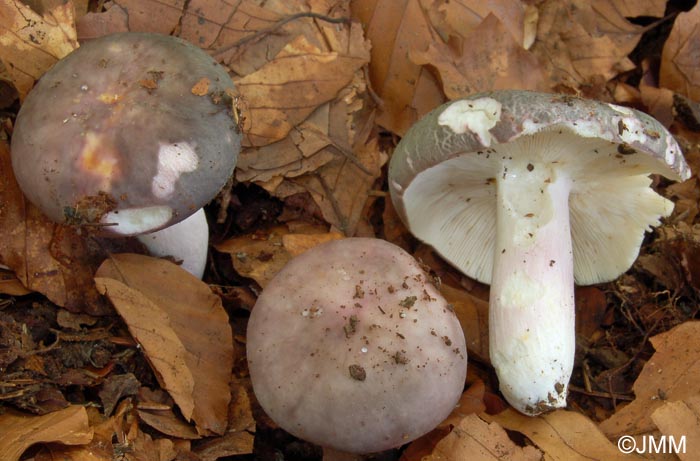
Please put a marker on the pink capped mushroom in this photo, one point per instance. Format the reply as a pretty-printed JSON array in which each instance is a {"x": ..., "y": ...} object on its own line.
[
  {"x": 530, "y": 192},
  {"x": 131, "y": 132},
  {"x": 353, "y": 348}
]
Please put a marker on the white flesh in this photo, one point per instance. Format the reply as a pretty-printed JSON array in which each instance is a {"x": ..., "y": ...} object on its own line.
[
  {"x": 186, "y": 241},
  {"x": 531, "y": 309}
]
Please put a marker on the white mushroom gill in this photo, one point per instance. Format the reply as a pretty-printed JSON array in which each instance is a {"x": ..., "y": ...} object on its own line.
[{"x": 134, "y": 221}]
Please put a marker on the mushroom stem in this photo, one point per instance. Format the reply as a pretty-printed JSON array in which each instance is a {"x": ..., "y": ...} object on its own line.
[{"x": 531, "y": 311}]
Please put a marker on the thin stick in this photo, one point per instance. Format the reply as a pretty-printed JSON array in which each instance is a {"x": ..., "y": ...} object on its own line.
[{"x": 277, "y": 25}]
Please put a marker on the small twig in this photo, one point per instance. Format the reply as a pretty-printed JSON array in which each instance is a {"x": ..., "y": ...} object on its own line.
[
  {"x": 605, "y": 395},
  {"x": 375, "y": 97},
  {"x": 277, "y": 25}
]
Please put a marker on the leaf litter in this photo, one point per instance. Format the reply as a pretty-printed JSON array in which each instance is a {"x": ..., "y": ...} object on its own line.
[{"x": 325, "y": 88}]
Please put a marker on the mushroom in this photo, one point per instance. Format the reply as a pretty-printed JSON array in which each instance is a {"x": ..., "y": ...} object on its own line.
[
  {"x": 186, "y": 242},
  {"x": 351, "y": 347},
  {"x": 530, "y": 192},
  {"x": 132, "y": 132}
]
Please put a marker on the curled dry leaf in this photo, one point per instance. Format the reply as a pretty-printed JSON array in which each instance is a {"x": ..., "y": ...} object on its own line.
[
  {"x": 10, "y": 284},
  {"x": 18, "y": 431},
  {"x": 182, "y": 328},
  {"x": 407, "y": 90},
  {"x": 672, "y": 374},
  {"x": 134, "y": 16},
  {"x": 56, "y": 261},
  {"x": 472, "y": 313},
  {"x": 582, "y": 42},
  {"x": 563, "y": 435},
  {"x": 477, "y": 440},
  {"x": 30, "y": 43},
  {"x": 680, "y": 68},
  {"x": 488, "y": 59},
  {"x": 155, "y": 408},
  {"x": 679, "y": 419},
  {"x": 261, "y": 255},
  {"x": 281, "y": 94},
  {"x": 326, "y": 156}
]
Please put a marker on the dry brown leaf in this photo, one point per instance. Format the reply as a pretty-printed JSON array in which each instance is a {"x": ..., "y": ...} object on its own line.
[
  {"x": 591, "y": 306},
  {"x": 10, "y": 284},
  {"x": 490, "y": 59},
  {"x": 183, "y": 329},
  {"x": 140, "y": 14},
  {"x": 635, "y": 8},
  {"x": 672, "y": 372},
  {"x": 407, "y": 90},
  {"x": 680, "y": 68},
  {"x": 680, "y": 420},
  {"x": 57, "y": 261},
  {"x": 460, "y": 17},
  {"x": 327, "y": 157},
  {"x": 30, "y": 43},
  {"x": 303, "y": 151},
  {"x": 98, "y": 449},
  {"x": 342, "y": 187},
  {"x": 471, "y": 402},
  {"x": 583, "y": 42},
  {"x": 296, "y": 244},
  {"x": 238, "y": 439},
  {"x": 155, "y": 408},
  {"x": 473, "y": 315},
  {"x": 477, "y": 440},
  {"x": 230, "y": 40},
  {"x": 257, "y": 256},
  {"x": 19, "y": 431},
  {"x": 563, "y": 435},
  {"x": 168, "y": 423},
  {"x": 261, "y": 255},
  {"x": 285, "y": 91},
  {"x": 658, "y": 103}
]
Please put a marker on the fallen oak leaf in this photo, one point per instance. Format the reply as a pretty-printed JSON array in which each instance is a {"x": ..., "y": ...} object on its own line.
[
  {"x": 478, "y": 440},
  {"x": 490, "y": 59},
  {"x": 680, "y": 70},
  {"x": 673, "y": 370},
  {"x": 680, "y": 420},
  {"x": 407, "y": 90},
  {"x": 30, "y": 43},
  {"x": 19, "y": 431},
  {"x": 563, "y": 435},
  {"x": 261, "y": 255},
  {"x": 280, "y": 95},
  {"x": 56, "y": 261},
  {"x": 182, "y": 328},
  {"x": 581, "y": 42}
]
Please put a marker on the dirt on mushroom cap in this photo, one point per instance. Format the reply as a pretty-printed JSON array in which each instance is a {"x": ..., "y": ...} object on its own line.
[
  {"x": 358, "y": 369},
  {"x": 118, "y": 117}
]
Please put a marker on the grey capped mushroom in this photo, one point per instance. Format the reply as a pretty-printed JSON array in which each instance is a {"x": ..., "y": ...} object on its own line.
[
  {"x": 350, "y": 346},
  {"x": 531, "y": 192},
  {"x": 131, "y": 131}
]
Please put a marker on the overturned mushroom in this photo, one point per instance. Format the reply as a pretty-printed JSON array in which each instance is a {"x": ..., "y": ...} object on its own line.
[
  {"x": 351, "y": 347},
  {"x": 530, "y": 192}
]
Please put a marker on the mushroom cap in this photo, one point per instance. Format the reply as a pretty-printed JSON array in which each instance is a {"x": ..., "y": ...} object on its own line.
[
  {"x": 442, "y": 175},
  {"x": 351, "y": 346},
  {"x": 131, "y": 128}
]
